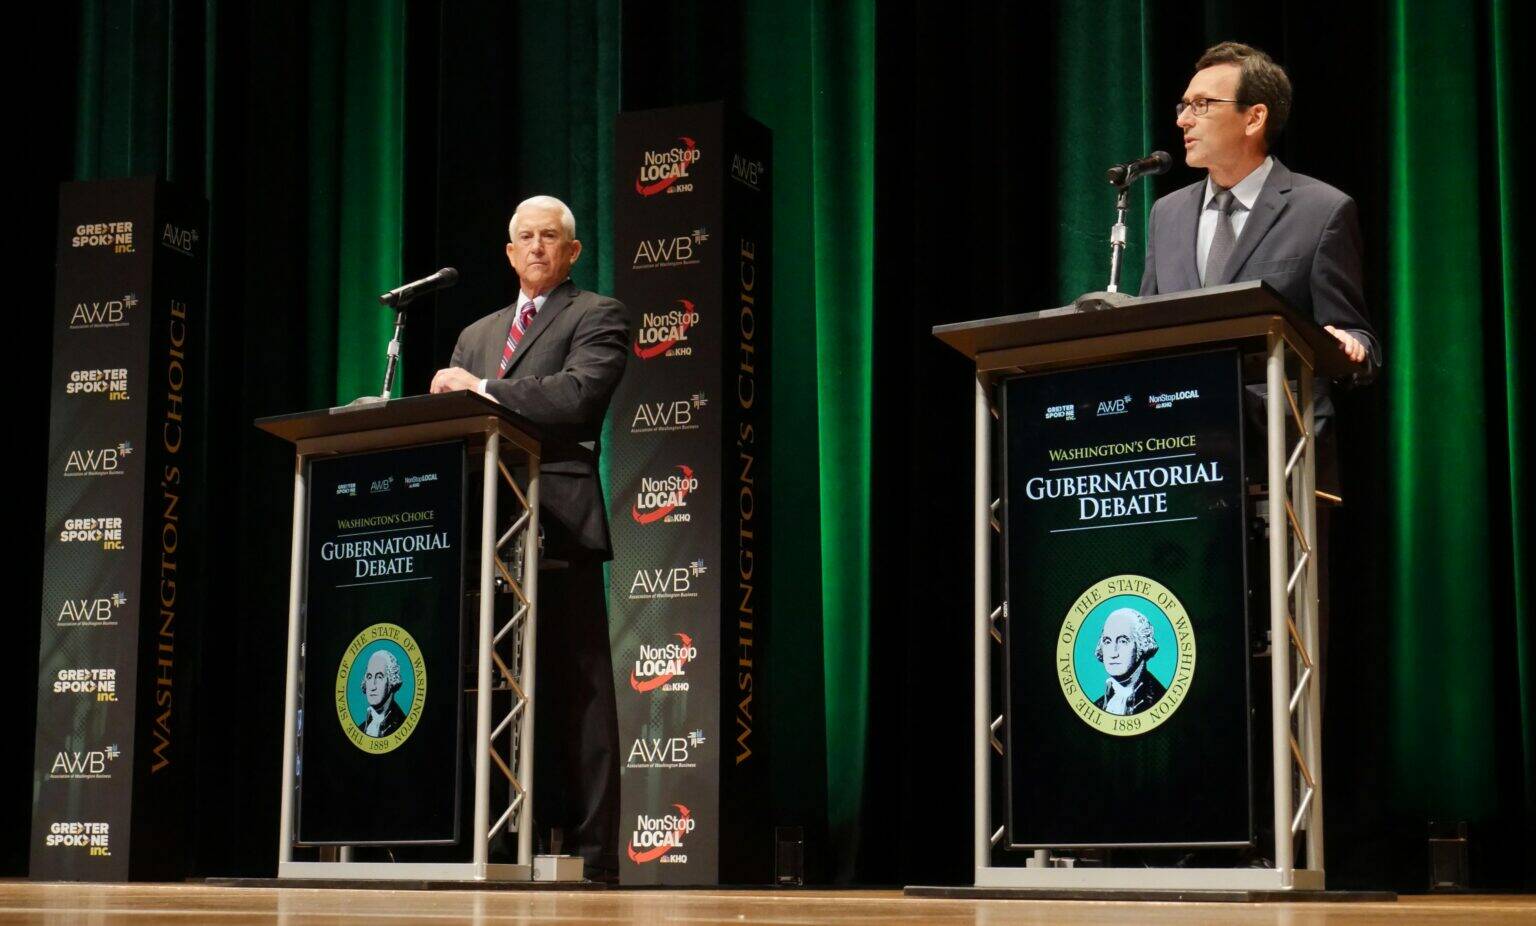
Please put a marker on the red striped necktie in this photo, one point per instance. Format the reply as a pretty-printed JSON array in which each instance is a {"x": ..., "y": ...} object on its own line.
[{"x": 515, "y": 333}]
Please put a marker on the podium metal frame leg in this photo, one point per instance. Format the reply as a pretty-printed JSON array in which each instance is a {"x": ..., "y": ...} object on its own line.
[
  {"x": 481, "y": 832},
  {"x": 291, "y": 693},
  {"x": 982, "y": 632},
  {"x": 1279, "y": 613},
  {"x": 1295, "y": 707}
]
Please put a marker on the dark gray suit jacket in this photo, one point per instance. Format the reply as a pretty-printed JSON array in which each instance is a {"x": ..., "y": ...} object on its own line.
[
  {"x": 1303, "y": 237},
  {"x": 565, "y": 371}
]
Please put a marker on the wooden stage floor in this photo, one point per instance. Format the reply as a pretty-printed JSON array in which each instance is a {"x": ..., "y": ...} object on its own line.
[{"x": 194, "y": 905}]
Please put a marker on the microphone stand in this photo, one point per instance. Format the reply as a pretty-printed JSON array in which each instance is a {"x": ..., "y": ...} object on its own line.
[
  {"x": 1111, "y": 297},
  {"x": 1117, "y": 237},
  {"x": 393, "y": 353}
]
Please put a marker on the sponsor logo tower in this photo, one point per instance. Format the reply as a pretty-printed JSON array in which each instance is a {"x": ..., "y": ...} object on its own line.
[
  {"x": 110, "y": 780},
  {"x": 688, "y": 492}
]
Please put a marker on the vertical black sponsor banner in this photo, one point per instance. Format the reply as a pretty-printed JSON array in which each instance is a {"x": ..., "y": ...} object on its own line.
[
  {"x": 1127, "y": 623},
  {"x": 689, "y": 494},
  {"x": 382, "y": 704},
  {"x": 110, "y": 796}
]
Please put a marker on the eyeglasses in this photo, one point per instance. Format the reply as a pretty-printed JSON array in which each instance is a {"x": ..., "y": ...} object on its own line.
[{"x": 1199, "y": 106}]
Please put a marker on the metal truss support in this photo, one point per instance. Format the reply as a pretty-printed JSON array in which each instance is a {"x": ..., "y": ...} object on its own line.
[
  {"x": 1295, "y": 675},
  {"x": 508, "y": 565},
  {"x": 515, "y": 557},
  {"x": 990, "y": 618}
]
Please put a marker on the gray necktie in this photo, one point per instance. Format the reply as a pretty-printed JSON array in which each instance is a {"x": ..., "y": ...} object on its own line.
[{"x": 1222, "y": 241}]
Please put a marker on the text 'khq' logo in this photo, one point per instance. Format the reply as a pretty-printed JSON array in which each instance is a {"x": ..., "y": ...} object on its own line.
[
  {"x": 663, "y": 499},
  {"x": 666, "y": 171},
  {"x": 658, "y": 839},
  {"x": 1166, "y": 399},
  {"x": 660, "y": 667},
  {"x": 666, "y": 333}
]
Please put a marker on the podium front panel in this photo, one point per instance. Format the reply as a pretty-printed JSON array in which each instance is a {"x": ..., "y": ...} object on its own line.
[
  {"x": 1126, "y": 633},
  {"x": 382, "y": 704}
]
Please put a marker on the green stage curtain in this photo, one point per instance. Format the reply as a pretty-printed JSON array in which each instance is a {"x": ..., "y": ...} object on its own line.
[
  {"x": 1104, "y": 102},
  {"x": 356, "y": 215},
  {"x": 146, "y": 85},
  {"x": 809, "y": 74},
  {"x": 574, "y": 46},
  {"x": 1517, "y": 412},
  {"x": 571, "y": 154},
  {"x": 1461, "y": 642}
]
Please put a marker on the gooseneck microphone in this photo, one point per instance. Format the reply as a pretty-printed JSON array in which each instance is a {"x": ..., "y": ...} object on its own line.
[
  {"x": 401, "y": 295},
  {"x": 397, "y": 299},
  {"x": 1122, "y": 175}
]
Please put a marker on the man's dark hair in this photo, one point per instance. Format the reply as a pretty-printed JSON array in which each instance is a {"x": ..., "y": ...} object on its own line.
[{"x": 1261, "y": 81}]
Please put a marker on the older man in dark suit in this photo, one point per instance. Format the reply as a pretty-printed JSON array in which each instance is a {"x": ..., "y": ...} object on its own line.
[{"x": 555, "y": 357}]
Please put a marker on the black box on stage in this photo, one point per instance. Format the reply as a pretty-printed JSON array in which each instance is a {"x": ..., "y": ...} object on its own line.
[
  {"x": 112, "y": 776},
  {"x": 688, "y": 493}
]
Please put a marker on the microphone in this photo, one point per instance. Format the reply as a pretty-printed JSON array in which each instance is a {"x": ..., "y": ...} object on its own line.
[
  {"x": 398, "y": 297},
  {"x": 1157, "y": 162}
]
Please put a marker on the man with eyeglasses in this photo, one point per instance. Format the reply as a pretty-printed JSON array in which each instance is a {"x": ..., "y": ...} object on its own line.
[
  {"x": 1305, "y": 234},
  {"x": 1251, "y": 218}
]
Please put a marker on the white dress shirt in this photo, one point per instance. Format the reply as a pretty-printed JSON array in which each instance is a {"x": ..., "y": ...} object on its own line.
[{"x": 375, "y": 720}]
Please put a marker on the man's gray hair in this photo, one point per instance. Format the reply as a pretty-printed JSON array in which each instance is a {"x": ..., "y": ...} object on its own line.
[
  {"x": 391, "y": 667},
  {"x": 1141, "y": 635},
  {"x": 567, "y": 217}
]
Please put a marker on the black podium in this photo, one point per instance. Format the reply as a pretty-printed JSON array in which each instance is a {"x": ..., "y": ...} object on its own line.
[
  {"x": 380, "y": 581},
  {"x": 1111, "y": 638}
]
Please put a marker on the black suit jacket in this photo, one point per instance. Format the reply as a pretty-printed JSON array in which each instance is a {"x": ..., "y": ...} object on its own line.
[
  {"x": 1148, "y": 692},
  {"x": 393, "y": 718},
  {"x": 1303, "y": 238},
  {"x": 565, "y": 371}
]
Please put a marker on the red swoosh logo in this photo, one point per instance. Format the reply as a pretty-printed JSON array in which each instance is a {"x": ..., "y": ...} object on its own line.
[
  {"x": 659, "y": 513},
  {"x": 654, "y": 188},
  {"x": 650, "y": 855},
  {"x": 658, "y": 681},
  {"x": 656, "y": 350}
]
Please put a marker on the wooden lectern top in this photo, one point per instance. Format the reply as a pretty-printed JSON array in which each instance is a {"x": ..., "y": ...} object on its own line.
[
  {"x": 414, "y": 412},
  {"x": 1236, "y": 312}
]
